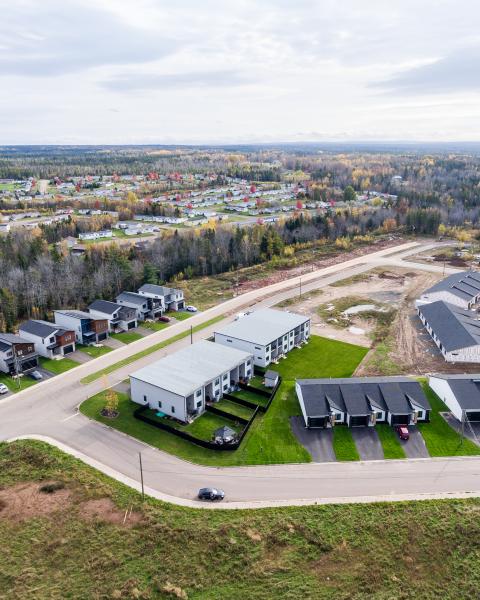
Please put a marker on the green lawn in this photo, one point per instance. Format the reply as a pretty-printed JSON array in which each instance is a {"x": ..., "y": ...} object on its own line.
[
  {"x": 156, "y": 326},
  {"x": 154, "y": 348},
  {"x": 321, "y": 357},
  {"x": 204, "y": 426},
  {"x": 424, "y": 550},
  {"x": 251, "y": 397},
  {"x": 440, "y": 438},
  {"x": 58, "y": 366},
  {"x": 390, "y": 442},
  {"x": 127, "y": 337},
  {"x": 94, "y": 351},
  {"x": 343, "y": 444},
  {"x": 270, "y": 439},
  {"x": 234, "y": 409},
  {"x": 17, "y": 385},
  {"x": 180, "y": 315}
]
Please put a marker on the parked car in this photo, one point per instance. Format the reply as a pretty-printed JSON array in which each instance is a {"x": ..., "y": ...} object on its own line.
[
  {"x": 211, "y": 494},
  {"x": 164, "y": 319},
  {"x": 403, "y": 432},
  {"x": 191, "y": 309},
  {"x": 36, "y": 375},
  {"x": 3, "y": 389}
]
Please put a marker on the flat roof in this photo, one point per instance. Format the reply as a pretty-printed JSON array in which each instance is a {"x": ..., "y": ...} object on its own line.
[
  {"x": 263, "y": 326},
  {"x": 191, "y": 368}
]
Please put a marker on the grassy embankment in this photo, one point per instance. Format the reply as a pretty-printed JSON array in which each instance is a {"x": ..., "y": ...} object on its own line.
[{"x": 73, "y": 543}]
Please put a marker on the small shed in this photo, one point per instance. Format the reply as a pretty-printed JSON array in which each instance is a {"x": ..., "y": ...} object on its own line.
[
  {"x": 224, "y": 435},
  {"x": 271, "y": 378}
]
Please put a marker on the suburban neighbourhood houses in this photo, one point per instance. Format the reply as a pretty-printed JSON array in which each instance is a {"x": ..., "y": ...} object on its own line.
[
  {"x": 50, "y": 340},
  {"x": 461, "y": 393},
  {"x": 120, "y": 318},
  {"x": 454, "y": 330},
  {"x": 17, "y": 355},
  {"x": 461, "y": 289},
  {"x": 267, "y": 334},
  {"x": 180, "y": 384},
  {"x": 88, "y": 330},
  {"x": 361, "y": 401},
  {"x": 144, "y": 307}
]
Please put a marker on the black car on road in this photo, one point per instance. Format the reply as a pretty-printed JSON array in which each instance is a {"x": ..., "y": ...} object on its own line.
[{"x": 210, "y": 493}]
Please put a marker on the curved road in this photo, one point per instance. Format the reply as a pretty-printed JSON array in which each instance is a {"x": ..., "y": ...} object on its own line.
[{"x": 49, "y": 411}]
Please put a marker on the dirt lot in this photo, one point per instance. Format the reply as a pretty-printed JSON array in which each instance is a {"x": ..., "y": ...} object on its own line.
[{"x": 385, "y": 287}]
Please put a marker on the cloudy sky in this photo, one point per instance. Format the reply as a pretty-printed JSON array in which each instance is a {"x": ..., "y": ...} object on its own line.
[{"x": 157, "y": 71}]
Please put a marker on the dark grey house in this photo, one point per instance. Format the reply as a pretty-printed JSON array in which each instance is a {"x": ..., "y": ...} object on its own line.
[
  {"x": 120, "y": 318},
  {"x": 460, "y": 289},
  {"x": 454, "y": 330},
  {"x": 172, "y": 298},
  {"x": 361, "y": 401},
  {"x": 145, "y": 307}
]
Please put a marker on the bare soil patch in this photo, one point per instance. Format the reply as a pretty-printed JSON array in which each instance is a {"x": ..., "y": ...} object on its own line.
[
  {"x": 26, "y": 501},
  {"x": 103, "y": 509}
]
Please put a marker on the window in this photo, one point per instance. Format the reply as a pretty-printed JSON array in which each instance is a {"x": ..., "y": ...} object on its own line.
[
  {"x": 225, "y": 376},
  {"x": 173, "y": 410},
  {"x": 198, "y": 393},
  {"x": 159, "y": 404},
  {"x": 217, "y": 381},
  {"x": 229, "y": 341},
  {"x": 379, "y": 415},
  {"x": 199, "y": 404},
  {"x": 338, "y": 416},
  {"x": 249, "y": 362},
  {"x": 144, "y": 398},
  {"x": 257, "y": 348}
]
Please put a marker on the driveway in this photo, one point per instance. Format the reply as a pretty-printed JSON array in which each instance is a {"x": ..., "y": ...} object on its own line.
[
  {"x": 113, "y": 343},
  {"x": 470, "y": 431},
  {"x": 80, "y": 357},
  {"x": 143, "y": 331},
  {"x": 368, "y": 443},
  {"x": 317, "y": 442},
  {"x": 415, "y": 446}
]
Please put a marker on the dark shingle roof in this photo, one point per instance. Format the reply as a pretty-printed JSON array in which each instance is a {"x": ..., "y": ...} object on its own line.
[
  {"x": 11, "y": 338},
  {"x": 455, "y": 327},
  {"x": 104, "y": 306},
  {"x": 132, "y": 297},
  {"x": 40, "y": 328},
  {"x": 159, "y": 290},
  {"x": 465, "y": 285},
  {"x": 466, "y": 389},
  {"x": 361, "y": 395}
]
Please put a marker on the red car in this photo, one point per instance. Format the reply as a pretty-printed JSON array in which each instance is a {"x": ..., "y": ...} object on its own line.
[
  {"x": 403, "y": 432},
  {"x": 164, "y": 319}
]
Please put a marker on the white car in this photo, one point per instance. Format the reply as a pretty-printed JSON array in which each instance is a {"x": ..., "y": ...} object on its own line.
[
  {"x": 191, "y": 309},
  {"x": 3, "y": 389}
]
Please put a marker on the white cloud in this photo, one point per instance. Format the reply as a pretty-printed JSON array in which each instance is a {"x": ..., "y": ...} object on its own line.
[{"x": 99, "y": 71}]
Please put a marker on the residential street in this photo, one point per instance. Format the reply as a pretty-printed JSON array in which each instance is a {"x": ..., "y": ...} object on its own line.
[{"x": 49, "y": 410}]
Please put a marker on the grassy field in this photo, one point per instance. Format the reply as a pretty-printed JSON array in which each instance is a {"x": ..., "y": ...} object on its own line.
[
  {"x": 321, "y": 357},
  {"x": 127, "y": 337},
  {"x": 440, "y": 438},
  {"x": 270, "y": 439},
  {"x": 94, "y": 351},
  {"x": 343, "y": 444},
  {"x": 390, "y": 442},
  {"x": 58, "y": 366},
  {"x": 148, "y": 351},
  {"x": 59, "y": 548},
  {"x": 17, "y": 385}
]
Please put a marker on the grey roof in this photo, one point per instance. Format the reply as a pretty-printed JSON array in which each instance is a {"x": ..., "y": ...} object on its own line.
[
  {"x": 465, "y": 285},
  {"x": 224, "y": 432},
  {"x": 455, "y": 327},
  {"x": 74, "y": 314},
  {"x": 159, "y": 290},
  {"x": 131, "y": 297},
  {"x": 271, "y": 374},
  {"x": 359, "y": 396},
  {"x": 104, "y": 306},
  {"x": 40, "y": 328},
  {"x": 263, "y": 326},
  {"x": 466, "y": 389},
  {"x": 11, "y": 338},
  {"x": 192, "y": 367}
]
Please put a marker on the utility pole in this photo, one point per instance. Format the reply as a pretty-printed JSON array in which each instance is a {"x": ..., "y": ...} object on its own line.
[
  {"x": 191, "y": 334},
  {"x": 300, "y": 295},
  {"x": 141, "y": 475}
]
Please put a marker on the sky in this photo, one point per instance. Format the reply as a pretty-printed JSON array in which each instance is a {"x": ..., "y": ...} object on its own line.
[{"x": 218, "y": 71}]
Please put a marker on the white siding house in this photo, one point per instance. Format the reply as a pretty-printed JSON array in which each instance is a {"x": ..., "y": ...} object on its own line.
[
  {"x": 268, "y": 334},
  {"x": 180, "y": 384},
  {"x": 460, "y": 289},
  {"x": 461, "y": 393}
]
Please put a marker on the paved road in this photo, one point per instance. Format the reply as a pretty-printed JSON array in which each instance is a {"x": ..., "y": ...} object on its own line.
[{"x": 49, "y": 410}]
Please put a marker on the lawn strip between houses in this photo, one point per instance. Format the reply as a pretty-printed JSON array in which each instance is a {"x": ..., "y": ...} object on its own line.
[
  {"x": 57, "y": 366},
  {"x": 344, "y": 445},
  {"x": 389, "y": 440},
  {"x": 440, "y": 438},
  {"x": 147, "y": 351}
]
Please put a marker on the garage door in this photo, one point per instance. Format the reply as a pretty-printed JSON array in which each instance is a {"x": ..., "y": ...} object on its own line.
[
  {"x": 359, "y": 421},
  {"x": 473, "y": 416},
  {"x": 317, "y": 421},
  {"x": 102, "y": 336},
  {"x": 131, "y": 325},
  {"x": 68, "y": 349},
  {"x": 400, "y": 419}
]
